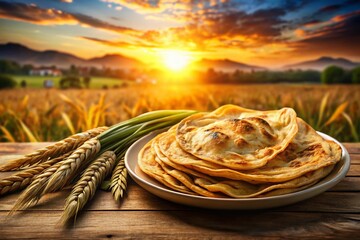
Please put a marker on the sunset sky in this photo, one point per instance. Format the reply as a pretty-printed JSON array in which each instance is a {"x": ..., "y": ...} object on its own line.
[{"x": 266, "y": 33}]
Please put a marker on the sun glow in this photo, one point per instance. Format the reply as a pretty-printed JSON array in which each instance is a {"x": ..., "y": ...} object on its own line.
[{"x": 175, "y": 60}]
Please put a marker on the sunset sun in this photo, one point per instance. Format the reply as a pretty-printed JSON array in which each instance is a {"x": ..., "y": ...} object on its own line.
[{"x": 175, "y": 60}]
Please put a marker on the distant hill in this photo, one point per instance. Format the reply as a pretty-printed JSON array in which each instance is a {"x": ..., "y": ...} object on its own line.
[
  {"x": 225, "y": 65},
  {"x": 24, "y": 55},
  {"x": 323, "y": 62},
  {"x": 115, "y": 60}
]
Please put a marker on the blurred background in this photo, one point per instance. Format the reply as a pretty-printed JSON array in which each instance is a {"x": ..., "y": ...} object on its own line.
[{"x": 70, "y": 65}]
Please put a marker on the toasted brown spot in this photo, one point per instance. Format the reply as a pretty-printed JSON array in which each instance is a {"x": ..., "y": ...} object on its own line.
[
  {"x": 295, "y": 164},
  {"x": 309, "y": 150},
  {"x": 266, "y": 133},
  {"x": 218, "y": 137},
  {"x": 213, "y": 129},
  {"x": 235, "y": 120},
  {"x": 260, "y": 121},
  {"x": 243, "y": 127},
  {"x": 309, "y": 174},
  {"x": 268, "y": 152},
  {"x": 240, "y": 142},
  {"x": 313, "y": 147}
]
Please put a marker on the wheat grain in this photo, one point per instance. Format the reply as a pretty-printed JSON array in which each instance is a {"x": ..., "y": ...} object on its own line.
[
  {"x": 119, "y": 181},
  {"x": 86, "y": 187},
  {"x": 22, "y": 179},
  {"x": 52, "y": 151},
  {"x": 81, "y": 157},
  {"x": 31, "y": 195}
]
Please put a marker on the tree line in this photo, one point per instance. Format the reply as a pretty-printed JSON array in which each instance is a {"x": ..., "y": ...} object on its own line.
[{"x": 77, "y": 77}]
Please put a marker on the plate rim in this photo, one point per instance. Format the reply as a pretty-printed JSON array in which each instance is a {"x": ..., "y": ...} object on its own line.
[{"x": 316, "y": 187}]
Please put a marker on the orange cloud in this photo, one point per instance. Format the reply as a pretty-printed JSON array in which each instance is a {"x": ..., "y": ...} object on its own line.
[
  {"x": 33, "y": 14},
  {"x": 300, "y": 33},
  {"x": 340, "y": 36},
  {"x": 340, "y": 18},
  {"x": 311, "y": 23}
]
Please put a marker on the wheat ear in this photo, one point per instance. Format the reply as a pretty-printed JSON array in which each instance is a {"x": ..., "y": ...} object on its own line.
[
  {"x": 31, "y": 195},
  {"x": 119, "y": 181},
  {"x": 81, "y": 157},
  {"x": 22, "y": 179},
  {"x": 59, "y": 148},
  {"x": 86, "y": 187}
]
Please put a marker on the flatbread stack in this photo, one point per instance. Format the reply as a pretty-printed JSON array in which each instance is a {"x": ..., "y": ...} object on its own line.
[{"x": 239, "y": 153}]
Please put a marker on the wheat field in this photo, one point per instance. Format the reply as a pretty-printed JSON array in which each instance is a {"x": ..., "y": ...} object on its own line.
[{"x": 51, "y": 114}]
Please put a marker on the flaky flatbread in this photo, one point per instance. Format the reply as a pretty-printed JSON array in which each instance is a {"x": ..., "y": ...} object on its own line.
[
  {"x": 236, "y": 137},
  {"x": 148, "y": 164},
  {"x": 241, "y": 189},
  {"x": 307, "y": 152}
]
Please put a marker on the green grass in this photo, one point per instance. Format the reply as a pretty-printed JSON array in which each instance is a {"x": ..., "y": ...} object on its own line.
[{"x": 96, "y": 82}]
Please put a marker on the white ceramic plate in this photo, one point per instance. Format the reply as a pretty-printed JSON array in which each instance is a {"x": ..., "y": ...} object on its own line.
[{"x": 162, "y": 191}]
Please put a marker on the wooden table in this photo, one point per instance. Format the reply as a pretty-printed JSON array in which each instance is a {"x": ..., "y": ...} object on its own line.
[{"x": 333, "y": 214}]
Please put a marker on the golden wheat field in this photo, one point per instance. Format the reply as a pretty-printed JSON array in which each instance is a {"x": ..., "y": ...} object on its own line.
[{"x": 49, "y": 115}]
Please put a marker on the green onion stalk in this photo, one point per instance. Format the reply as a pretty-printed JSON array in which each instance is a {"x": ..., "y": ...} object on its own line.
[{"x": 119, "y": 137}]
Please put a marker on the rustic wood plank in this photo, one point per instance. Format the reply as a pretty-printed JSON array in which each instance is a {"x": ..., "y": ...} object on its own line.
[
  {"x": 348, "y": 184},
  {"x": 354, "y": 171},
  {"x": 355, "y": 158},
  {"x": 352, "y": 147},
  {"x": 333, "y": 214},
  {"x": 21, "y": 148},
  {"x": 191, "y": 224},
  {"x": 135, "y": 199},
  {"x": 139, "y": 199},
  {"x": 327, "y": 202}
]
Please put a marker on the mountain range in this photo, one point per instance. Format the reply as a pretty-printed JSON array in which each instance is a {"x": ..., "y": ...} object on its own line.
[
  {"x": 24, "y": 55},
  {"x": 224, "y": 65},
  {"x": 322, "y": 62}
]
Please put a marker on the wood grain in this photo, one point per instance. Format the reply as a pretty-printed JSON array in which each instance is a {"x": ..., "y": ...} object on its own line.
[
  {"x": 186, "y": 224},
  {"x": 138, "y": 199},
  {"x": 334, "y": 214}
]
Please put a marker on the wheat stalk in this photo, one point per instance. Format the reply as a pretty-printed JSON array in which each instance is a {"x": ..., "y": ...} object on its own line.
[
  {"x": 81, "y": 157},
  {"x": 22, "y": 179},
  {"x": 118, "y": 182},
  {"x": 52, "y": 151},
  {"x": 86, "y": 187}
]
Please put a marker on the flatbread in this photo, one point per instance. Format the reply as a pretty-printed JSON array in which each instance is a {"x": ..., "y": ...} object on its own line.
[
  {"x": 207, "y": 186},
  {"x": 239, "y": 153},
  {"x": 236, "y": 137},
  {"x": 148, "y": 164},
  {"x": 307, "y": 152},
  {"x": 241, "y": 189}
]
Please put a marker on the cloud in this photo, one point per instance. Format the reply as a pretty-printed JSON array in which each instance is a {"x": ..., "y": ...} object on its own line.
[
  {"x": 340, "y": 18},
  {"x": 311, "y": 23},
  {"x": 122, "y": 44},
  {"x": 97, "y": 23},
  {"x": 33, "y": 14},
  {"x": 339, "y": 37},
  {"x": 139, "y": 5},
  {"x": 336, "y": 7},
  {"x": 330, "y": 8},
  {"x": 171, "y": 6},
  {"x": 210, "y": 28},
  {"x": 215, "y": 25}
]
